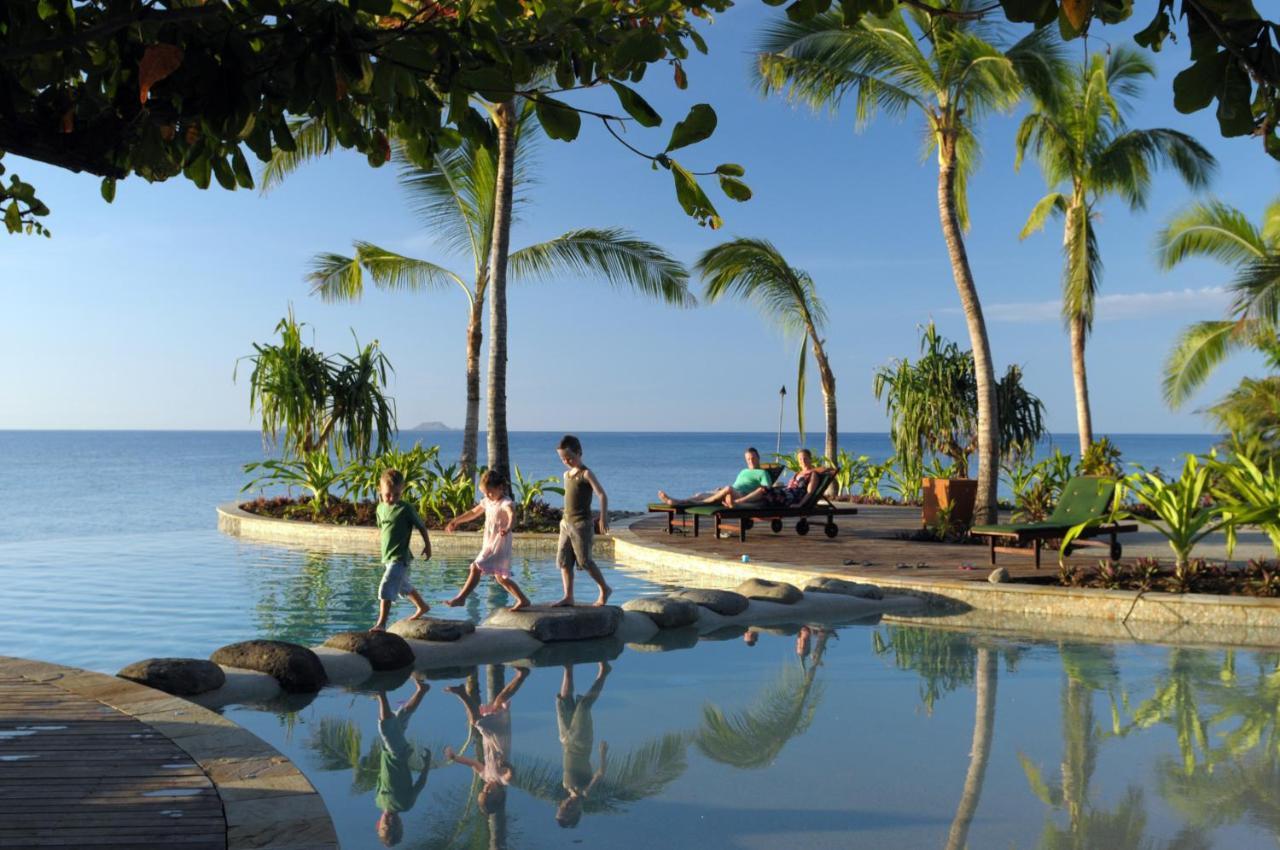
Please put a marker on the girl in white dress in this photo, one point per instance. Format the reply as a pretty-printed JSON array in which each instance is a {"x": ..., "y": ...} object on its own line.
[{"x": 495, "y": 553}]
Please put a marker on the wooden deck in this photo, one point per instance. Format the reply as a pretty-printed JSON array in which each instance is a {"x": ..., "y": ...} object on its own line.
[{"x": 76, "y": 773}]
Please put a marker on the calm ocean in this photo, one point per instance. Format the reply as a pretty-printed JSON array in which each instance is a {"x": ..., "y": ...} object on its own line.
[{"x": 60, "y": 484}]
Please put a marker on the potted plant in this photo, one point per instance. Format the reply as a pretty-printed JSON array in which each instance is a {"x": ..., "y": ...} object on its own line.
[{"x": 933, "y": 412}]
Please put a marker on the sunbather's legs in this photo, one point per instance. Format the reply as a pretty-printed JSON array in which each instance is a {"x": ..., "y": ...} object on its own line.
[{"x": 697, "y": 498}]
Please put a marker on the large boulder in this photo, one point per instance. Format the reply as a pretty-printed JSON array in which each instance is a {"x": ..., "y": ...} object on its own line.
[
  {"x": 668, "y": 640},
  {"x": 383, "y": 650},
  {"x": 549, "y": 624},
  {"x": 770, "y": 591},
  {"x": 296, "y": 668},
  {"x": 724, "y": 602},
  {"x": 183, "y": 677},
  {"x": 840, "y": 587},
  {"x": 432, "y": 628},
  {"x": 665, "y": 611}
]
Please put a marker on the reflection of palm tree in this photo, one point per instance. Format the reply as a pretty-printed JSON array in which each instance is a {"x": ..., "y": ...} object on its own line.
[
  {"x": 1176, "y": 704},
  {"x": 754, "y": 737},
  {"x": 944, "y": 660},
  {"x": 984, "y": 721},
  {"x": 640, "y": 773}
]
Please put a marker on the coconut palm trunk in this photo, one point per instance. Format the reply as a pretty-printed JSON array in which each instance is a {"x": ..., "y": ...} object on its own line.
[
  {"x": 988, "y": 429},
  {"x": 499, "y": 451},
  {"x": 1084, "y": 418},
  {"x": 471, "y": 424},
  {"x": 828, "y": 380},
  {"x": 984, "y": 721}
]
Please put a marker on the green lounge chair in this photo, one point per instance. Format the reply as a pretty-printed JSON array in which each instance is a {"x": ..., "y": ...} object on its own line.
[
  {"x": 1084, "y": 498},
  {"x": 815, "y": 505},
  {"x": 677, "y": 514}
]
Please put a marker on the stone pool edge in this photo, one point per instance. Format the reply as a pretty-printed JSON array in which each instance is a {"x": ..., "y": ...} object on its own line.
[
  {"x": 1129, "y": 615},
  {"x": 237, "y": 522},
  {"x": 267, "y": 802}
]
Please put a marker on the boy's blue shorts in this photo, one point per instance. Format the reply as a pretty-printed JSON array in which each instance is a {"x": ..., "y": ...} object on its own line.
[{"x": 395, "y": 581}]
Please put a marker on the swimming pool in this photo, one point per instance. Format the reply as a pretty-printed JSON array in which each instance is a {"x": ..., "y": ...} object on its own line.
[
  {"x": 878, "y": 736},
  {"x": 887, "y": 735}
]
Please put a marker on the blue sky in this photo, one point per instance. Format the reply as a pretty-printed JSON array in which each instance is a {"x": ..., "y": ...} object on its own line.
[{"x": 133, "y": 315}]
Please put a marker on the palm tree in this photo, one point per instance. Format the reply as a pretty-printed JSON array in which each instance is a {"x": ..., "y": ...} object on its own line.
[
  {"x": 1081, "y": 141},
  {"x": 944, "y": 67},
  {"x": 1222, "y": 232},
  {"x": 754, "y": 270},
  {"x": 457, "y": 195}
]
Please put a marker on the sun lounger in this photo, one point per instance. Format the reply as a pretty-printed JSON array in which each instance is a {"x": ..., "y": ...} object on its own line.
[
  {"x": 815, "y": 505},
  {"x": 1083, "y": 499},
  {"x": 677, "y": 513}
]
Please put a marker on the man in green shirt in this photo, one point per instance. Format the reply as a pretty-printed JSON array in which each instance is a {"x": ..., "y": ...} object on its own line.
[
  {"x": 397, "y": 789},
  {"x": 748, "y": 480}
]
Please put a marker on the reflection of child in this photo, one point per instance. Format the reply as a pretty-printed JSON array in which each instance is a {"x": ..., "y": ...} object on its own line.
[
  {"x": 750, "y": 636},
  {"x": 397, "y": 790},
  {"x": 495, "y": 554},
  {"x": 573, "y": 717},
  {"x": 493, "y": 722}
]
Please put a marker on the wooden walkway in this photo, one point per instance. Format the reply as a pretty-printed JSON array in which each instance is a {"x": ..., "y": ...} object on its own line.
[
  {"x": 93, "y": 761},
  {"x": 76, "y": 773}
]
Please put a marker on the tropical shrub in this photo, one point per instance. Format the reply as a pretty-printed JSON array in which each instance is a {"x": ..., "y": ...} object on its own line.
[
  {"x": 871, "y": 477},
  {"x": 1245, "y": 483},
  {"x": 904, "y": 474},
  {"x": 313, "y": 472},
  {"x": 1102, "y": 458},
  {"x": 309, "y": 402},
  {"x": 362, "y": 478},
  {"x": 527, "y": 491},
  {"x": 449, "y": 492},
  {"x": 848, "y": 470}
]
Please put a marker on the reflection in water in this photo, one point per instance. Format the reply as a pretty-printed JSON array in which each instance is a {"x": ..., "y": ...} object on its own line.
[
  {"x": 1204, "y": 723},
  {"x": 754, "y": 737}
]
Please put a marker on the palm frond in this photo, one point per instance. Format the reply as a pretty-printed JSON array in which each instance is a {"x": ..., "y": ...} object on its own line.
[
  {"x": 1210, "y": 229},
  {"x": 335, "y": 277},
  {"x": 1126, "y": 69},
  {"x": 1083, "y": 269},
  {"x": 754, "y": 271},
  {"x": 1197, "y": 352},
  {"x": 311, "y": 140},
  {"x": 752, "y": 738},
  {"x": 1125, "y": 166},
  {"x": 1054, "y": 203},
  {"x": 1257, "y": 292},
  {"x": 616, "y": 255},
  {"x": 397, "y": 273}
]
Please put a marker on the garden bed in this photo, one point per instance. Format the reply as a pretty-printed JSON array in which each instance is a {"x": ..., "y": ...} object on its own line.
[
  {"x": 540, "y": 517},
  {"x": 1255, "y": 578}
]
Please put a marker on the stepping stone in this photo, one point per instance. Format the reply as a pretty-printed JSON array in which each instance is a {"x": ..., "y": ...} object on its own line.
[
  {"x": 770, "y": 591},
  {"x": 998, "y": 576},
  {"x": 730, "y": 632},
  {"x": 724, "y": 602},
  {"x": 668, "y": 640},
  {"x": 826, "y": 584},
  {"x": 182, "y": 677},
  {"x": 665, "y": 611},
  {"x": 296, "y": 668},
  {"x": 549, "y": 624},
  {"x": 577, "y": 652},
  {"x": 383, "y": 650},
  {"x": 432, "y": 628}
]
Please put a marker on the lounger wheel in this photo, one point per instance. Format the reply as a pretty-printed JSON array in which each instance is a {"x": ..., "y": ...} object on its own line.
[
  {"x": 830, "y": 529},
  {"x": 802, "y": 527},
  {"x": 775, "y": 525},
  {"x": 1116, "y": 551}
]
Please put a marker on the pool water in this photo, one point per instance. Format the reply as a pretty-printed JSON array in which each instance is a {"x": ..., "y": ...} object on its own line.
[
  {"x": 882, "y": 736},
  {"x": 104, "y": 602}
]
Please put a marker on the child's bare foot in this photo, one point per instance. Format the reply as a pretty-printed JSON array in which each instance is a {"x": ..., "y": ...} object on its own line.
[
  {"x": 378, "y": 627},
  {"x": 520, "y": 605},
  {"x": 605, "y": 592},
  {"x": 456, "y": 602},
  {"x": 665, "y": 498},
  {"x": 457, "y": 690},
  {"x": 420, "y": 613},
  {"x": 566, "y": 602}
]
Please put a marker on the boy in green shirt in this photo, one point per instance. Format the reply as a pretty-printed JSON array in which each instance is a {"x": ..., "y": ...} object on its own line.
[{"x": 396, "y": 520}]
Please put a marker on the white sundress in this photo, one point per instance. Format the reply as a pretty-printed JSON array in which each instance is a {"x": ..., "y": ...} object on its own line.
[{"x": 495, "y": 555}]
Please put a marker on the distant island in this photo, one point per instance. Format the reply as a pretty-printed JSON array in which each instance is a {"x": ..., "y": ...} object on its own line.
[{"x": 431, "y": 426}]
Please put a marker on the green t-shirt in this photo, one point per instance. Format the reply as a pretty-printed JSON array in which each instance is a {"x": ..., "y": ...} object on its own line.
[
  {"x": 397, "y": 791},
  {"x": 750, "y": 479},
  {"x": 397, "y": 523}
]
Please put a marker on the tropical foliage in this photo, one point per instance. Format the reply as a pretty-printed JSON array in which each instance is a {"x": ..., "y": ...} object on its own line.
[
  {"x": 313, "y": 472},
  {"x": 933, "y": 405},
  {"x": 754, "y": 271},
  {"x": 1083, "y": 145},
  {"x": 944, "y": 67},
  {"x": 454, "y": 196},
  {"x": 1215, "y": 230},
  {"x": 311, "y": 403}
]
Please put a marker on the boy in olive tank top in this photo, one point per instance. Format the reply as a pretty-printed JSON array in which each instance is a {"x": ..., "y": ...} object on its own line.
[{"x": 576, "y": 527}]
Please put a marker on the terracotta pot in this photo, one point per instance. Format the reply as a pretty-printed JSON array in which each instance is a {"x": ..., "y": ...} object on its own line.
[{"x": 958, "y": 494}]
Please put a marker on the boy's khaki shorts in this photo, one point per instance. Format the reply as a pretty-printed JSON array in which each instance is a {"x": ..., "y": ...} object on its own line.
[
  {"x": 395, "y": 581},
  {"x": 573, "y": 549}
]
